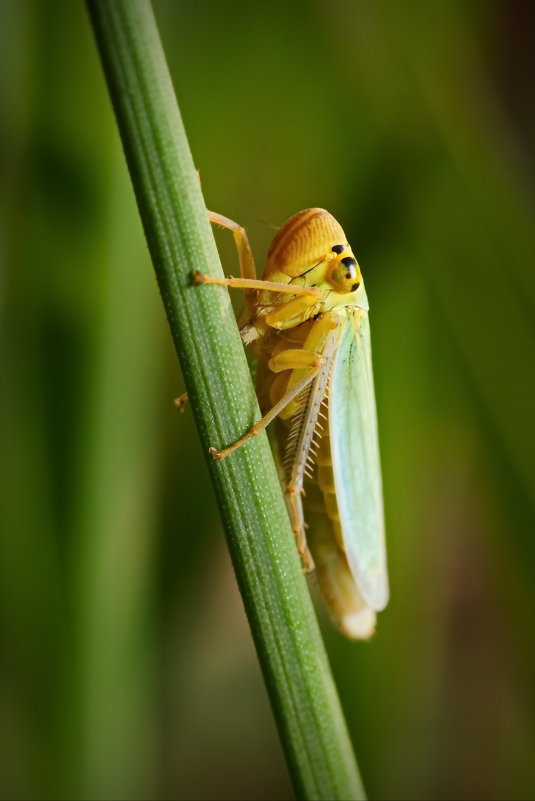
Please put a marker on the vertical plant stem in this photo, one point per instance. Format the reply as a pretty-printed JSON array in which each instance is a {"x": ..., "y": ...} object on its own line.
[{"x": 278, "y": 606}]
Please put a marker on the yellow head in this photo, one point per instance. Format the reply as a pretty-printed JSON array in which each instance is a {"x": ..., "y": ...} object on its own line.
[{"x": 312, "y": 241}]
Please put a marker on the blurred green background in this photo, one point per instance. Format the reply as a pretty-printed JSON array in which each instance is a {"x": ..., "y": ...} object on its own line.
[{"x": 126, "y": 666}]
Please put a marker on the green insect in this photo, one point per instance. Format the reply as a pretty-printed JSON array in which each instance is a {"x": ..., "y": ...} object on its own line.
[{"x": 307, "y": 324}]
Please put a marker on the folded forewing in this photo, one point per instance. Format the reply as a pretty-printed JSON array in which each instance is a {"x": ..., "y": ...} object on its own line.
[{"x": 356, "y": 464}]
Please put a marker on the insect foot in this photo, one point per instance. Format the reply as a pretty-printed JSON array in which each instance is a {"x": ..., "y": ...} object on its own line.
[
  {"x": 181, "y": 402},
  {"x": 198, "y": 278}
]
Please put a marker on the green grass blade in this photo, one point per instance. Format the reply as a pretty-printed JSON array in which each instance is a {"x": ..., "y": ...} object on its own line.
[{"x": 276, "y": 598}]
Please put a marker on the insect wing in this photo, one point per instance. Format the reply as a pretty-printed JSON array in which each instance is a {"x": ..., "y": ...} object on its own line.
[{"x": 356, "y": 463}]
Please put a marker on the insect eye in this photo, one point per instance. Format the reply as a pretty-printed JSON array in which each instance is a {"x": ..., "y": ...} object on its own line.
[
  {"x": 345, "y": 275},
  {"x": 351, "y": 266}
]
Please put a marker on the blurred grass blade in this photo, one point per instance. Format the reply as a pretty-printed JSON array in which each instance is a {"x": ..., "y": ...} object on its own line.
[
  {"x": 115, "y": 512},
  {"x": 276, "y": 598}
]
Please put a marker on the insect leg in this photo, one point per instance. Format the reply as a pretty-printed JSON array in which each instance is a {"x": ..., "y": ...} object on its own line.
[
  {"x": 295, "y": 359},
  {"x": 245, "y": 254},
  {"x": 321, "y": 339},
  {"x": 295, "y": 512},
  {"x": 181, "y": 401},
  {"x": 255, "y": 284},
  {"x": 274, "y": 411}
]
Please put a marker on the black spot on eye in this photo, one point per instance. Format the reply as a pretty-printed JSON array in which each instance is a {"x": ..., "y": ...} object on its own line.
[
  {"x": 348, "y": 276},
  {"x": 337, "y": 248},
  {"x": 348, "y": 262},
  {"x": 355, "y": 286}
]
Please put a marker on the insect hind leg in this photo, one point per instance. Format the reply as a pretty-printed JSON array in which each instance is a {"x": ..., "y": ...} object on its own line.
[{"x": 295, "y": 512}]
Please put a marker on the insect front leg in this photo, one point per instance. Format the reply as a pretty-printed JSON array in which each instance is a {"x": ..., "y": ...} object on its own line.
[
  {"x": 255, "y": 284},
  {"x": 245, "y": 253},
  {"x": 247, "y": 280}
]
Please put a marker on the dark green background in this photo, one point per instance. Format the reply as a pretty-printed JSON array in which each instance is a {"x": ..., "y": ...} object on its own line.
[{"x": 126, "y": 666}]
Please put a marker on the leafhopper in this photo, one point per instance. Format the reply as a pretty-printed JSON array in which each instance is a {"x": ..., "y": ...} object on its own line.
[{"x": 307, "y": 323}]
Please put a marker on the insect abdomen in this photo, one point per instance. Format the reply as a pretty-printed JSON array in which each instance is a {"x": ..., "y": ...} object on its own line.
[{"x": 347, "y": 608}]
